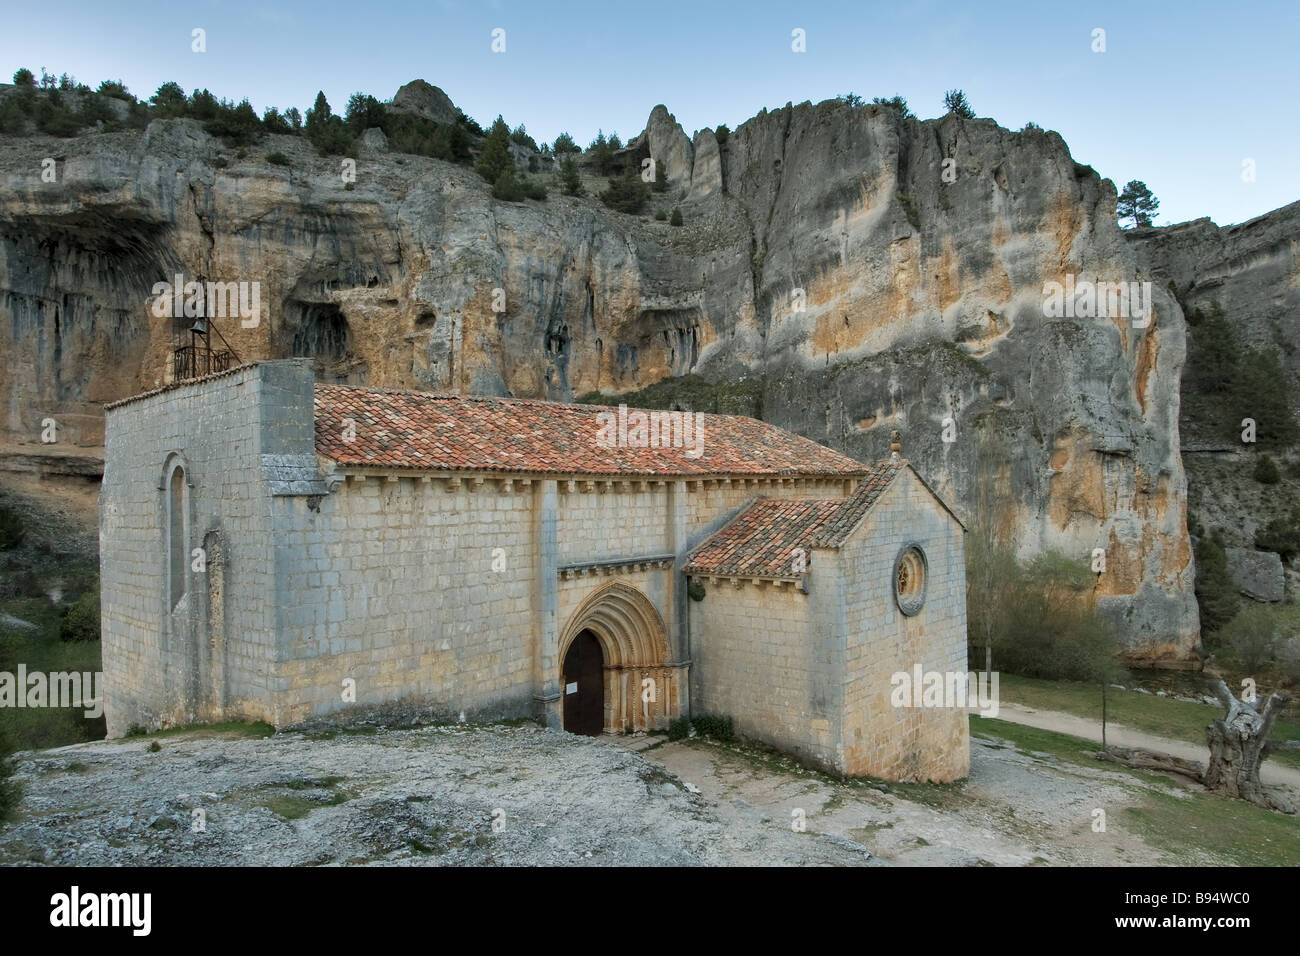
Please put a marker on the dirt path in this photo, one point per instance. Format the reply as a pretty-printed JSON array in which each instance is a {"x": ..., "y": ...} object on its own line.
[{"x": 1272, "y": 772}]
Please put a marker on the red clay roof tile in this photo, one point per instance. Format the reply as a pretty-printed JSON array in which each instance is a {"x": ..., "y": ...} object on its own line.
[{"x": 419, "y": 430}]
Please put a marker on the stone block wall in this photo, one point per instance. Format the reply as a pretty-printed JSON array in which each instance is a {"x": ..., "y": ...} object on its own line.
[
  {"x": 211, "y": 656},
  {"x": 880, "y": 740},
  {"x": 762, "y": 656},
  {"x": 418, "y": 591}
]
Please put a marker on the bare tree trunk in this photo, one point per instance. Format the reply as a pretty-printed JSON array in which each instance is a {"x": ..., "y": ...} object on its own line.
[{"x": 1238, "y": 744}]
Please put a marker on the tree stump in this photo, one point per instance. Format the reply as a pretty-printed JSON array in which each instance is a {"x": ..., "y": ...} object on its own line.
[{"x": 1238, "y": 744}]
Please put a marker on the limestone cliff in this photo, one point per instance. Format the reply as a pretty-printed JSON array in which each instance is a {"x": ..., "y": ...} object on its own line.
[
  {"x": 824, "y": 252},
  {"x": 1251, "y": 270}
]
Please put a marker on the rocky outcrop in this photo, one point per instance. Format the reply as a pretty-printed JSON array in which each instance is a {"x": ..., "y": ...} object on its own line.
[
  {"x": 706, "y": 174},
  {"x": 824, "y": 254},
  {"x": 670, "y": 145},
  {"x": 426, "y": 101},
  {"x": 1257, "y": 574}
]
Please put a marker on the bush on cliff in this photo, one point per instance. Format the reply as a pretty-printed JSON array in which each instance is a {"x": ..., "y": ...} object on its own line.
[{"x": 1216, "y": 595}]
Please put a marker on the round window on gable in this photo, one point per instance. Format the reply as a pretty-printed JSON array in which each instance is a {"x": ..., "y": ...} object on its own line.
[{"x": 909, "y": 580}]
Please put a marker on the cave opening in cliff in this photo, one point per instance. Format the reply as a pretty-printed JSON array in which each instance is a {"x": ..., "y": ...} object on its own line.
[{"x": 322, "y": 332}]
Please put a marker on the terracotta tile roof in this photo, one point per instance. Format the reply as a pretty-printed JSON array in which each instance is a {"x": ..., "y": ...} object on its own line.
[
  {"x": 837, "y": 530},
  {"x": 419, "y": 430},
  {"x": 761, "y": 540}
]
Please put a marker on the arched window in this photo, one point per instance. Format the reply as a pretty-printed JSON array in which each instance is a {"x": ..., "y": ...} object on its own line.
[{"x": 176, "y": 552}]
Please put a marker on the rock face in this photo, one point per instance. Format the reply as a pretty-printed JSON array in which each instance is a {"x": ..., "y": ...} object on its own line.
[
  {"x": 426, "y": 101},
  {"x": 670, "y": 145},
  {"x": 706, "y": 175},
  {"x": 1251, "y": 269},
  {"x": 1257, "y": 574},
  {"x": 824, "y": 255}
]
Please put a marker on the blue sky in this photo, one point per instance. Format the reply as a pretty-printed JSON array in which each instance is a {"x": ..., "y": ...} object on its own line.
[{"x": 1182, "y": 95}]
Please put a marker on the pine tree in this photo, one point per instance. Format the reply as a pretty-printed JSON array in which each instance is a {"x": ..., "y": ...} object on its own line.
[
  {"x": 1137, "y": 202},
  {"x": 1215, "y": 593},
  {"x": 10, "y": 791},
  {"x": 956, "y": 102},
  {"x": 569, "y": 178},
  {"x": 495, "y": 157},
  {"x": 319, "y": 114}
]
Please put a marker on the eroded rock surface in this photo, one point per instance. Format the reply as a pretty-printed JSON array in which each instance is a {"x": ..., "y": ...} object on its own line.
[{"x": 823, "y": 253}]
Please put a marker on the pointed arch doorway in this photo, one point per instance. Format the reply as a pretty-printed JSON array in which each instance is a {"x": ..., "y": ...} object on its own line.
[{"x": 615, "y": 649}]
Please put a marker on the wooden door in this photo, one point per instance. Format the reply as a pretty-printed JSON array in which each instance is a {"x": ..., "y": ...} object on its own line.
[{"x": 584, "y": 686}]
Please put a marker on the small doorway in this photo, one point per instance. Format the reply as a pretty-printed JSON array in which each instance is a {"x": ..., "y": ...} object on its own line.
[{"x": 584, "y": 686}]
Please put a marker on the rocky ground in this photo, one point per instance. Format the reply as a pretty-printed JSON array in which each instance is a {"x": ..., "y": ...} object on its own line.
[{"x": 505, "y": 795}]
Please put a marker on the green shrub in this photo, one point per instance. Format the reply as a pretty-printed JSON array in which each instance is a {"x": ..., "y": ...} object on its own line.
[
  {"x": 1248, "y": 383},
  {"x": 1039, "y": 616},
  {"x": 277, "y": 159},
  {"x": 1259, "y": 392},
  {"x": 236, "y": 125},
  {"x": 722, "y": 134},
  {"x": 569, "y": 178},
  {"x": 894, "y": 102},
  {"x": 273, "y": 122},
  {"x": 715, "y": 726},
  {"x": 1253, "y": 635},
  {"x": 11, "y": 529},
  {"x": 81, "y": 619},
  {"x": 661, "y": 216},
  {"x": 564, "y": 144},
  {"x": 679, "y": 729},
  {"x": 1281, "y": 535},
  {"x": 511, "y": 188},
  {"x": 1216, "y": 595},
  {"x": 24, "y": 77},
  {"x": 55, "y": 119},
  {"x": 601, "y": 152},
  {"x": 695, "y": 590},
  {"x": 423, "y": 137},
  {"x": 676, "y": 218},
  {"x": 116, "y": 89},
  {"x": 627, "y": 193},
  {"x": 909, "y": 208},
  {"x": 10, "y": 790},
  {"x": 495, "y": 159},
  {"x": 1266, "y": 471},
  {"x": 520, "y": 137},
  {"x": 363, "y": 111}
]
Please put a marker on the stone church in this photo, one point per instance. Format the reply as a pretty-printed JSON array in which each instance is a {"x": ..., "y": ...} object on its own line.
[{"x": 281, "y": 550}]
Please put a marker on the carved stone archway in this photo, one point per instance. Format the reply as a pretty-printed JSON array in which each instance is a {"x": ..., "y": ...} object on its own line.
[{"x": 635, "y": 645}]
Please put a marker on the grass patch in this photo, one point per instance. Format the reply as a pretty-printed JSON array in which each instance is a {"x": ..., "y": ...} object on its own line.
[
  {"x": 294, "y": 805},
  {"x": 1163, "y": 716},
  {"x": 42, "y": 649},
  {"x": 1226, "y": 831},
  {"x": 1229, "y": 831},
  {"x": 233, "y": 728}
]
